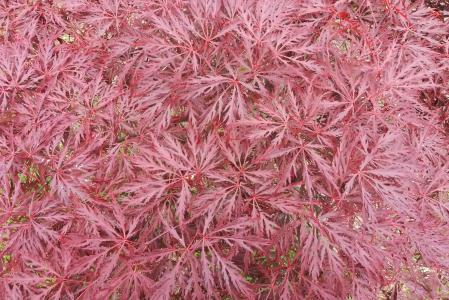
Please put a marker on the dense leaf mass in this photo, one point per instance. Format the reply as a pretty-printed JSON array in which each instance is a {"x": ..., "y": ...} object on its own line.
[{"x": 223, "y": 149}]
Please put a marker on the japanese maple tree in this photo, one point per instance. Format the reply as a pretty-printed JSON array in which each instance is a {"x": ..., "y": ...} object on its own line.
[{"x": 223, "y": 149}]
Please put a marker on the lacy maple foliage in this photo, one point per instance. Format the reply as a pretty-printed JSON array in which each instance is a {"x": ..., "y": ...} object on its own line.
[{"x": 223, "y": 149}]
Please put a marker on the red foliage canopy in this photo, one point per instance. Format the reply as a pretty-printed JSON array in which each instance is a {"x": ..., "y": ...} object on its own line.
[{"x": 223, "y": 149}]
